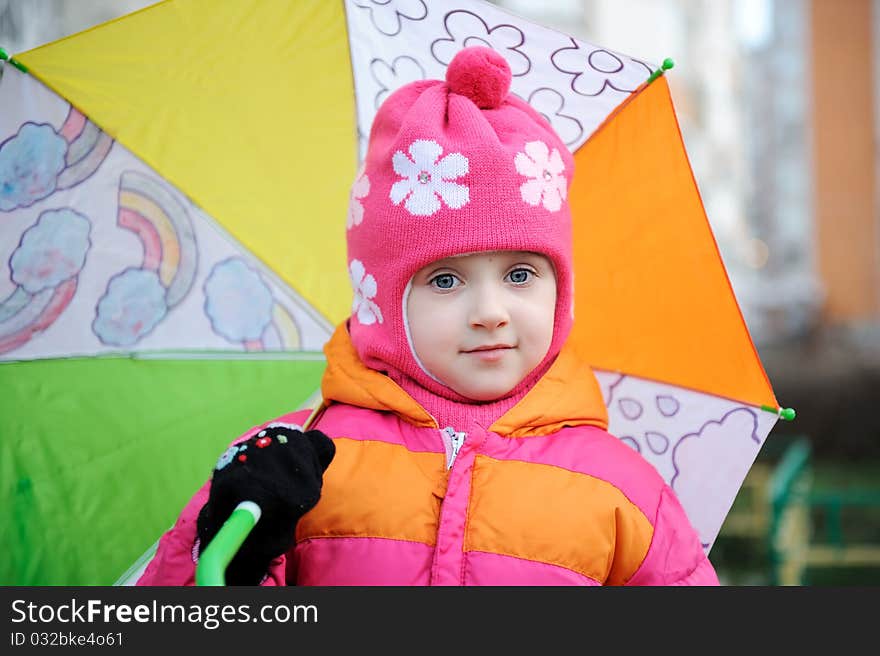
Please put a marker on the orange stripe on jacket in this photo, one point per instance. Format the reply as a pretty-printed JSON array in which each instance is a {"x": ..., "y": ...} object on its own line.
[
  {"x": 551, "y": 515},
  {"x": 367, "y": 475}
]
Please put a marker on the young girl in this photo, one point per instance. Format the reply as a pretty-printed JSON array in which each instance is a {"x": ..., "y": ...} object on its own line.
[{"x": 460, "y": 442}]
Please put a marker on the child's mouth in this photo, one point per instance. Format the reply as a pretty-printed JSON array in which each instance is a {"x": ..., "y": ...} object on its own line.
[{"x": 490, "y": 353}]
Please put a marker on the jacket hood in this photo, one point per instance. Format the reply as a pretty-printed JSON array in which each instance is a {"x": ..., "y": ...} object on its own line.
[{"x": 567, "y": 395}]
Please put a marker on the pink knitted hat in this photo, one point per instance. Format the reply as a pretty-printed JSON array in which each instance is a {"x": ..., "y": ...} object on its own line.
[{"x": 453, "y": 167}]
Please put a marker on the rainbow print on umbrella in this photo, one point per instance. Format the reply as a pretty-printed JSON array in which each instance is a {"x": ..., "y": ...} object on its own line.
[
  {"x": 138, "y": 298},
  {"x": 38, "y": 160},
  {"x": 242, "y": 309},
  {"x": 45, "y": 268},
  {"x": 35, "y": 163},
  {"x": 87, "y": 147}
]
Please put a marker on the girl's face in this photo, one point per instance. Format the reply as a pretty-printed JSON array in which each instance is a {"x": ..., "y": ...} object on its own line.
[{"x": 480, "y": 323}]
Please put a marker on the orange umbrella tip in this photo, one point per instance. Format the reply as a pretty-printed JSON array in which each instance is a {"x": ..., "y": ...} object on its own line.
[{"x": 786, "y": 414}]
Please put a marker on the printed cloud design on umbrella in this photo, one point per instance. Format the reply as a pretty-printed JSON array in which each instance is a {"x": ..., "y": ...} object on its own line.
[
  {"x": 465, "y": 29},
  {"x": 168, "y": 268},
  {"x": 242, "y": 309},
  {"x": 547, "y": 185},
  {"x": 132, "y": 306},
  {"x": 29, "y": 165},
  {"x": 598, "y": 69},
  {"x": 550, "y": 104},
  {"x": 679, "y": 431},
  {"x": 713, "y": 440},
  {"x": 645, "y": 417},
  {"x": 389, "y": 77},
  {"x": 388, "y": 17},
  {"x": 37, "y": 160},
  {"x": 431, "y": 43},
  {"x": 427, "y": 180},
  {"x": 45, "y": 268}
]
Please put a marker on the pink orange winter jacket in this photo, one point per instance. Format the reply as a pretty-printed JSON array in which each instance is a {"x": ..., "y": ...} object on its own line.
[{"x": 544, "y": 496}]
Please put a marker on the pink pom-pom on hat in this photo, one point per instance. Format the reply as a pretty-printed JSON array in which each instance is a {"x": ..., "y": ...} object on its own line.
[
  {"x": 481, "y": 74},
  {"x": 453, "y": 166}
]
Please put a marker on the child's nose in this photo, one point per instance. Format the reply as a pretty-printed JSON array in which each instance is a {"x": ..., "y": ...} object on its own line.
[{"x": 488, "y": 310}]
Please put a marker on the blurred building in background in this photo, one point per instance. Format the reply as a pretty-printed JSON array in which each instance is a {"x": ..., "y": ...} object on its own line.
[{"x": 779, "y": 104}]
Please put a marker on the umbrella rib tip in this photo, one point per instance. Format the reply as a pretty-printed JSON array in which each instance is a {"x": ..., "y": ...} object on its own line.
[
  {"x": 6, "y": 57},
  {"x": 665, "y": 66},
  {"x": 786, "y": 414}
]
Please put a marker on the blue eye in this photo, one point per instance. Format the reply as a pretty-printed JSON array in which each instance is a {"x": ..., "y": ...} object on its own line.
[
  {"x": 443, "y": 281},
  {"x": 520, "y": 276}
]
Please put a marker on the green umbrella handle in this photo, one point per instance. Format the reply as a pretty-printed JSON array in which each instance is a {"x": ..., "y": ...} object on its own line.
[{"x": 214, "y": 559}]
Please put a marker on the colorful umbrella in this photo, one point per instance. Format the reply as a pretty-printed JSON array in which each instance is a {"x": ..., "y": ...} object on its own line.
[{"x": 174, "y": 193}]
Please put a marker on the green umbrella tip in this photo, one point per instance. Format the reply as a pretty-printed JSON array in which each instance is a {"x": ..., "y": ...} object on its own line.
[
  {"x": 665, "y": 66},
  {"x": 786, "y": 414},
  {"x": 4, "y": 56}
]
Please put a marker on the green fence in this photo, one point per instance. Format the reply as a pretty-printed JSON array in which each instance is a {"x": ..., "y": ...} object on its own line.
[{"x": 806, "y": 530}]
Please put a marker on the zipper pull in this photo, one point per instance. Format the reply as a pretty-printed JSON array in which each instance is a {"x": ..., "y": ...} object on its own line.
[{"x": 456, "y": 440}]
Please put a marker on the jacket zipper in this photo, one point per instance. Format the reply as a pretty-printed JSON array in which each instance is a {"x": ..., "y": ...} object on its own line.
[{"x": 456, "y": 440}]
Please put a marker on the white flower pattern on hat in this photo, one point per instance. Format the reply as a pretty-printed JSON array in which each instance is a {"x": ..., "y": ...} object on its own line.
[
  {"x": 365, "y": 288},
  {"x": 547, "y": 186},
  {"x": 359, "y": 190},
  {"x": 426, "y": 180}
]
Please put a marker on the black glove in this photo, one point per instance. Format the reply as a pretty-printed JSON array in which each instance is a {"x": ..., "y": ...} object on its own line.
[{"x": 281, "y": 470}]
